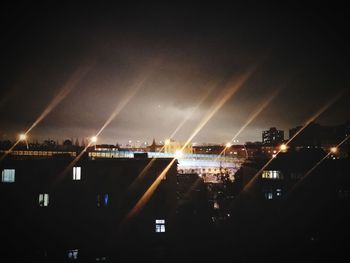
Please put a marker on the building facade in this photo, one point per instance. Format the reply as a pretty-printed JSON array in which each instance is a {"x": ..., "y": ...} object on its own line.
[
  {"x": 272, "y": 136},
  {"x": 82, "y": 215}
]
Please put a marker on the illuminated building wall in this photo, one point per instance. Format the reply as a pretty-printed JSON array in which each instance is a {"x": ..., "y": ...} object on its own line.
[{"x": 172, "y": 146}]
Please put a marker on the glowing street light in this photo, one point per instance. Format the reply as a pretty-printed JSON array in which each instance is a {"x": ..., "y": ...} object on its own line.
[
  {"x": 23, "y": 137},
  {"x": 167, "y": 142},
  {"x": 283, "y": 147},
  {"x": 94, "y": 140},
  {"x": 334, "y": 150},
  {"x": 227, "y": 145}
]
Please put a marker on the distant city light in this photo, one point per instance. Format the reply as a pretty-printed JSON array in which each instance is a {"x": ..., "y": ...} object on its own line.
[
  {"x": 334, "y": 150},
  {"x": 22, "y": 137},
  {"x": 283, "y": 147},
  {"x": 167, "y": 141},
  {"x": 228, "y": 145},
  {"x": 93, "y": 139}
]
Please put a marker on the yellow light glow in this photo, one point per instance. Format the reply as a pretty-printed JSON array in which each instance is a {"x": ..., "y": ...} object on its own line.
[
  {"x": 283, "y": 147},
  {"x": 178, "y": 153},
  {"x": 93, "y": 139},
  {"x": 228, "y": 145},
  {"x": 22, "y": 137},
  {"x": 167, "y": 141},
  {"x": 334, "y": 150}
]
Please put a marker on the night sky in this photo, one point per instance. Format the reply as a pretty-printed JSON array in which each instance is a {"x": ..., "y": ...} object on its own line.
[{"x": 170, "y": 57}]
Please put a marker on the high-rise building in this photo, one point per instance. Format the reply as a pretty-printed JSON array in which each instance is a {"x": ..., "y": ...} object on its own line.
[{"x": 272, "y": 136}]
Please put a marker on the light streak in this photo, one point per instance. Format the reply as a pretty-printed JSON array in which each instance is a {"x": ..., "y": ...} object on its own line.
[
  {"x": 126, "y": 99},
  {"x": 251, "y": 118},
  {"x": 167, "y": 141},
  {"x": 148, "y": 194},
  {"x": 231, "y": 89}
]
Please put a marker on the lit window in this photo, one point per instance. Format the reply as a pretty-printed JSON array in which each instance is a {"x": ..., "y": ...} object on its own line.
[
  {"x": 160, "y": 226},
  {"x": 76, "y": 173},
  {"x": 73, "y": 254},
  {"x": 278, "y": 192},
  {"x": 8, "y": 176},
  {"x": 43, "y": 199},
  {"x": 102, "y": 200},
  {"x": 216, "y": 205}
]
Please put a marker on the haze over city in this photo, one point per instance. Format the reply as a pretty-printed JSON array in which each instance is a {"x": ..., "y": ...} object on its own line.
[{"x": 160, "y": 66}]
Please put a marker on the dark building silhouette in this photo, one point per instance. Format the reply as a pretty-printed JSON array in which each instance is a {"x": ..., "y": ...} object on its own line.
[
  {"x": 318, "y": 135},
  {"x": 80, "y": 216},
  {"x": 154, "y": 147},
  {"x": 286, "y": 213},
  {"x": 272, "y": 136}
]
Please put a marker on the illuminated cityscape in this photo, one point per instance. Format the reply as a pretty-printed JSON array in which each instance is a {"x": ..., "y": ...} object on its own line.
[{"x": 174, "y": 133}]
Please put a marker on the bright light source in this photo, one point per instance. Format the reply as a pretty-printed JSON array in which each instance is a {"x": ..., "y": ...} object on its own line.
[
  {"x": 93, "y": 139},
  {"x": 167, "y": 141},
  {"x": 283, "y": 147},
  {"x": 178, "y": 153},
  {"x": 334, "y": 150},
  {"x": 228, "y": 145},
  {"x": 23, "y": 137}
]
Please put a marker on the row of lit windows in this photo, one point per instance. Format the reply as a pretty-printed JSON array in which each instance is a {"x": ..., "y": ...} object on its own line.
[
  {"x": 8, "y": 175},
  {"x": 102, "y": 200},
  {"x": 270, "y": 174}
]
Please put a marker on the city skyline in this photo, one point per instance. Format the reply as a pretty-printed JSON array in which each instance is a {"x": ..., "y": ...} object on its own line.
[
  {"x": 156, "y": 68},
  {"x": 174, "y": 132}
]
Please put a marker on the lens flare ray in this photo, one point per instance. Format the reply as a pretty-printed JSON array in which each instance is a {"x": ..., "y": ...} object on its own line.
[
  {"x": 148, "y": 194},
  {"x": 187, "y": 117},
  {"x": 251, "y": 118},
  {"x": 231, "y": 89},
  {"x": 126, "y": 99}
]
